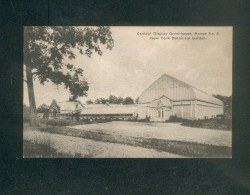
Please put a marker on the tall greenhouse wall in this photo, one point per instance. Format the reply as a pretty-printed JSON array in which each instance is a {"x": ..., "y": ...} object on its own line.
[
  {"x": 206, "y": 110},
  {"x": 166, "y": 86},
  {"x": 143, "y": 111}
]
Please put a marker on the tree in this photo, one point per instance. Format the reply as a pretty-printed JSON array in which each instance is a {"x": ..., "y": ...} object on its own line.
[
  {"x": 43, "y": 108},
  {"x": 227, "y": 104},
  {"x": 128, "y": 100},
  {"x": 115, "y": 100},
  {"x": 112, "y": 99},
  {"x": 119, "y": 100},
  {"x": 46, "y": 48},
  {"x": 101, "y": 101}
]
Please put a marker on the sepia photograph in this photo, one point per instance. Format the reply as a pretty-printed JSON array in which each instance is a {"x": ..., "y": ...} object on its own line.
[{"x": 127, "y": 92}]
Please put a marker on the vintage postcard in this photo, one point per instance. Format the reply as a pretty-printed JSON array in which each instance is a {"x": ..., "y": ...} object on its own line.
[{"x": 127, "y": 92}]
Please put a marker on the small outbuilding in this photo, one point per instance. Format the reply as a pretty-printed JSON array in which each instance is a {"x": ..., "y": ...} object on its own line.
[{"x": 64, "y": 109}]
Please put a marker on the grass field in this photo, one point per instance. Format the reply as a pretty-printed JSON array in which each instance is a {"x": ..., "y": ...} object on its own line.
[
  {"x": 221, "y": 124},
  {"x": 64, "y": 146},
  {"x": 205, "y": 140},
  {"x": 41, "y": 150},
  {"x": 159, "y": 137}
]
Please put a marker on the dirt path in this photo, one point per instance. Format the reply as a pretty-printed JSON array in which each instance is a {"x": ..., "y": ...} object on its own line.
[{"x": 93, "y": 149}]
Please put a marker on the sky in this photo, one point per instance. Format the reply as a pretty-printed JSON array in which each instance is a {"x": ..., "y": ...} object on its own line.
[{"x": 136, "y": 61}]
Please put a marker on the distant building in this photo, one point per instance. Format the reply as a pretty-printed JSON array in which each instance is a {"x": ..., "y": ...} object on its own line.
[
  {"x": 64, "y": 109},
  {"x": 169, "y": 96},
  {"x": 109, "y": 111}
]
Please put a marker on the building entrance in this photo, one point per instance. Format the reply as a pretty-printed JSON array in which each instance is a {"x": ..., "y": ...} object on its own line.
[{"x": 160, "y": 109}]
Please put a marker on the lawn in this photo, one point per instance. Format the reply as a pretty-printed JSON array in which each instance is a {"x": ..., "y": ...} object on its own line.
[
  {"x": 183, "y": 148},
  {"x": 42, "y": 150},
  {"x": 162, "y": 137},
  {"x": 221, "y": 124}
]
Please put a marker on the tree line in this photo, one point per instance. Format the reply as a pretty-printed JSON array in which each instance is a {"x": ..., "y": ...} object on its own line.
[
  {"x": 112, "y": 99},
  {"x": 227, "y": 101}
]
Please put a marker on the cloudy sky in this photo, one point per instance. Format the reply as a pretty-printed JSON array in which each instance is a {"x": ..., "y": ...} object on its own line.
[{"x": 136, "y": 61}]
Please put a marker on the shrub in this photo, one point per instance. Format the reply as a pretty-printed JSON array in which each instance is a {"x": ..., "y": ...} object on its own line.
[
  {"x": 221, "y": 116},
  {"x": 26, "y": 114},
  {"x": 174, "y": 118},
  {"x": 58, "y": 122},
  {"x": 218, "y": 123}
]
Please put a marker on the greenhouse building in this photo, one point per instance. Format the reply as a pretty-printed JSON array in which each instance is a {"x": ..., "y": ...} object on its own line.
[{"x": 169, "y": 96}]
